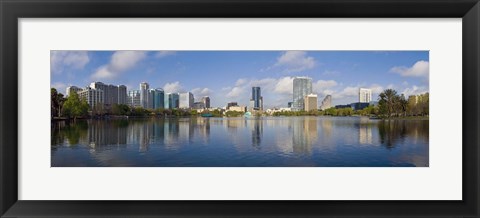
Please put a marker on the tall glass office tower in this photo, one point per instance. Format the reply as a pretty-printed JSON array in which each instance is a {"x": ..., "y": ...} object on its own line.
[
  {"x": 171, "y": 100},
  {"x": 302, "y": 86},
  {"x": 144, "y": 94},
  {"x": 158, "y": 98},
  {"x": 256, "y": 97}
]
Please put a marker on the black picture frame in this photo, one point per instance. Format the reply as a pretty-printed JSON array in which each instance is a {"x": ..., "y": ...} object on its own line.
[{"x": 12, "y": 10}]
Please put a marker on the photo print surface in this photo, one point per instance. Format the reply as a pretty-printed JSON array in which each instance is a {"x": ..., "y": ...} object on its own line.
[{"x": 239, "y": 108}]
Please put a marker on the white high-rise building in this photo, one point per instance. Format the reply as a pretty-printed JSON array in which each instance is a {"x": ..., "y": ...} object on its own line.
[
  {"x": 112, "y": 94},
  {"x": 364, "y": 95},
  {"x": 302, "y": 86},
  {"x": 144, "y": 94},
  {"x": 92, "y": 96},
  {"x": 133, "y": 98},
  {"x": 326, "y": 103},
  {"x": 186, "y": 100}
]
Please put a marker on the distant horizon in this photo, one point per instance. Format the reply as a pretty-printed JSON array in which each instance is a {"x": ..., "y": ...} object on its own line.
[{"x": 227, "y": 76}]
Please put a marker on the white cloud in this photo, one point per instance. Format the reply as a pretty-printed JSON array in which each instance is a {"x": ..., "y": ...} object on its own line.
[
  {"x": 266, "y": 83},
  {"x": 348, "y": 91},
  {"x": 414, "y": 90},
  {"x": 162, "y": 54},
  {"x": 351, "y": 92},
  {"x": 124, "y": 60},
  {"x": 61, "y": 60},
  {"x": 284, "y": 86},
  {"x": 330, "y": 73},
  {"x": 324, "y": 84},
  {"x": 419, "y": 69},
  {"x": 103, "y": 73},
  {"x": 241, "y": 82},
  {"x": 199, "y": 92},
  {"x": 60, "y": 87},
  {"x": 173, "y": 87},
  {"x": 324, "y": 87},
  {"x": 377, "y": 89},
  {"x": 235, "y": 92},
  {"x": 243, "y": 86},
  {"x": 120, "y": 62},
  {"x": 295, "y": 61}
]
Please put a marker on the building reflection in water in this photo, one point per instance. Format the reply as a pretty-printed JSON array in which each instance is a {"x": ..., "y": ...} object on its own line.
[
  {"x": 282, "y": 139},
  {"x": 257, "y": 132},
  {"x": 172, "y": 129},
  {"x": 305, "y": 133},
  {"x": 202, "y": 129},
  {"x": 234, "y": 124},
  {"x": 365, "y": 131},
  {"x": 101, "y": 133},
  {"x": 186, "y": 130},
  {"x": 326, "y": 139}
]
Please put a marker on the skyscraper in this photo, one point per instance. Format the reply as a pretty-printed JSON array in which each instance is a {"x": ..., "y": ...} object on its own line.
[
  {"x": 364, "y": 95},
  {"x": 302, "y": 86},
  {"x": 310, "y": 101},
  {"x": 171, "y": 100},
  {"x": 158, "y": 98},
  {"x": 144, "y": 94},
  {"x": 93, "y": 96},
  {"x": 151, "y": 93},
  {"x": 206, "y": 101},
  {"x": 122, "y": 94},
  {"x": 326, "y": 103},
  {"x": 112, "y": 94},
  {"x": 186, "y": 100},
  {"x": 133, "y": 98},
  {"x": 256, "y": 98}
]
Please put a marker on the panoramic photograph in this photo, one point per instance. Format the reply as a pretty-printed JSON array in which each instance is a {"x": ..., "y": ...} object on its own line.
[{"x": 289, "y": 108}]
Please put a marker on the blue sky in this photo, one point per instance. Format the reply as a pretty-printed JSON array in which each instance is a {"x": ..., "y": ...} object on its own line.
[{"x": 229, "y": 75}]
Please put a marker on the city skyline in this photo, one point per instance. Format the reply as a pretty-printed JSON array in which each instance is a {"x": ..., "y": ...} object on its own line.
[{"x": 228, "y": 76}]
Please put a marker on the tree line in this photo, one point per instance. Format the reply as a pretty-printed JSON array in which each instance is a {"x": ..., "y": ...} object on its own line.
[{"x": 390, "y": 104}]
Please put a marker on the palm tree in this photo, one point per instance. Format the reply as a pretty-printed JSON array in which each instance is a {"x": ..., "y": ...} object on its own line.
[{"x": 388, "y": 101}]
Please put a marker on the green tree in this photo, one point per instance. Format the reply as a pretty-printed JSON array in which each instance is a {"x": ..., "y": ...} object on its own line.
[
  {"x": 98, "y": 109},
  {"x": 388, "y": 102},
  {"x": 401, "y": 105},
  {"x": 75, "y": 107},
  {"x": 412, "y": 105},
  {"x": 120, "y": 109},
  {"x": 217, "y": 113},
  {"x": 194, "y": 112},
  {"x": 53, "y": 102},
  {"x": 233, "y": 113},
  {"x": 56, "y": 102},
  {"x": 424, "y": 104}
]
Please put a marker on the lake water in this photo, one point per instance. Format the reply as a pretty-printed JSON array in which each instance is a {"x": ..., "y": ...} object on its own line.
[{"x": 241, "y": 142}]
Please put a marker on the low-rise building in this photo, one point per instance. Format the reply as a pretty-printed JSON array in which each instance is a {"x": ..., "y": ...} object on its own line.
[{"x": 237, "y": 108}]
